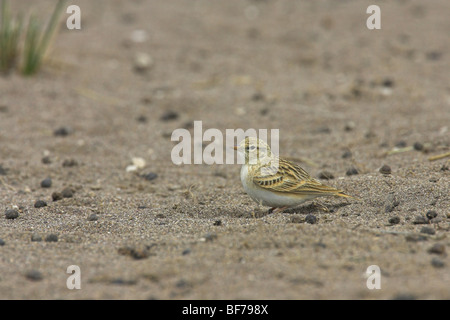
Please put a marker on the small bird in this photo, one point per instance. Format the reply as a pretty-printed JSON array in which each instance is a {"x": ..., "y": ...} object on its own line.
[{"x": 276, "y": 182}]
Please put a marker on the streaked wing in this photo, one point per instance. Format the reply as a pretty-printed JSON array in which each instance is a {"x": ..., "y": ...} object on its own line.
[{"x": 290, "y": 178}]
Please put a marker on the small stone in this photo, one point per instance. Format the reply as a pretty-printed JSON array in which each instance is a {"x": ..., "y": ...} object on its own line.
[
  {"x": 258, "y": 96},
  {"x": 70, "y": 163},
  {"x": 67, "y": 192},
  {"x": 36, "y": 238},
  {"x": 217, "y": 223},
  {"x": 46, "y": 183},
  {"x": 142, "y": 62},
  {"x": 427, "y": 230},
  {"x": 388, "y": 83},
  {"x": 415, "y": 237},
  {"x": 51, "y": 238},
  {"x": 326, "y": 175},
  {"x": 418, "y": 146},
  {"x": 444, "y": 167},
  {"x": 11, "y": 214},
  {"x": 62, "y": 132},
  {"x": 310, "y": 218},
  {"x": 34, "y": 275},
  {"x": 2, "y": 242},
  {"x": 3, "y": 171},
  {"x": 46, "y": 160},
  {"x": 352, "y": 171},
  {"x": 349, "y": 126},
  {"x": 186, "y": 251},
  {"x": 401, "y": 144},
  {"x": 347, "y": 154},
  {"x": 394, "y": 220},
  {"x": 420, "y": 220},
  {"x": 433, "y": 55},
  {"x": 57, "y": 196},
  {"x": 385, "y": 169},
  {"x": 137, "y": 253},
  {"x": 93, "y": 217},
  {"x": 149, "y": 176},
  {"x": 437, "y": 263},
  {"x": 40, "y": 204},
  {"x": 431, "y": 214},
  {"x": 169, "y": 115},
  {"x": 142, "y": 119},
  {"x": 437, "y": 248}
]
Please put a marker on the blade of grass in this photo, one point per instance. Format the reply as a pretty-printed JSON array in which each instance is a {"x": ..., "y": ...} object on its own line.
[{"x": 10, "y": 31}]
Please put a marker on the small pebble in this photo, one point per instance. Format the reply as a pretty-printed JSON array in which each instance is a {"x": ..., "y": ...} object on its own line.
[
  {"x": 93, "y": 217},
  {"x": 2, "y": 242},
  {"x": 169, "y": 115},
  {"x": 347, "y": 154},
  {"x": 385, "y": 169},
  {"x": 62, "y": 132},
  {"x": 389, "y": 83},
  {"x": 427, "y": 230},
  {"x": 142, "y": 62},
  {"x": 258, "y": 96},
  {"x": 186, "y": 251},
  {"x": 415, "y": 237},
  {"x": 36, "y": 238},
  {"x": 217, "y": 223},
  {"x": 349, "y": 126},
  {"x": 57, "y": 196},
  {"x": 352, "y": 171},
  {"x": 70, "y": 163},
  {"x": 433, "y": 55},
  {"x": 67, "y": 192},
  {"x": 51, "y": 238},
  {"x": 394, "y": 220},
  {"x": 40, "y": 204},
  {"x": 431, "y": 214},
  {"x": 437, "y": 263},
  {"x": 11, "y": 214},
  {"x": 137, "y": 253},
  {"x": 437, "y": 248},
  {"x": 418, "y": 146},
  {"x": 326, "y": 175},
  {"x": 46, "y": 183},
  {"x": 310, "y": 218},
  {"x": 142, "y": 119},
  {"x": 46, "y": 160},
  {"x": 401, "y": 144},
  {"x": 420, "y": 220},
  {"x": 3, "y": 171},
  {"x": 34, "y": 275},
  {"x": 149, "y": 176}
]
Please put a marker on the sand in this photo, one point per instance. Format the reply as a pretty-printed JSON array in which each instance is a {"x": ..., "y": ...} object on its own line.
[{"x": 344, "y": 97}]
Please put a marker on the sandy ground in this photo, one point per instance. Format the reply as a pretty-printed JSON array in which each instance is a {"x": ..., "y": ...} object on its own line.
[{"x": 342, "y": 96}]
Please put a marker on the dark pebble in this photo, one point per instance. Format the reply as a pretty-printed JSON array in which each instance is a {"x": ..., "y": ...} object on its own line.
[
  {"x": 418, "y": 146},
  {"x": 135, "y": 252},
  {"x": 2, "y": 242},
  {"x": 431, "y": 214},
  {"x": 4, "y": 109},
  {"x": 46, "y": 160},
  {"x": 51, "y": 238},
  {"x": 93, "y": 217},
  {"x": 186, "y": 251},
  {"x": 169, "y": 115},
  {"x": 62, "y": 132},
  {"x": 149, "y": 176},
  {"x": 347, "y": 154},
  {"x": 437, "y": 248},
  {"x": 123, "y": 282},
  {"x": 326, "y": 175},
  {"x": 70, "y": 163},
  {"x": 352, "y": 171},
  {"x": 40, "y": 204},
  {"x": 420, "y": 220},
  {"x": 3, "y": 171},
  {"x": 437, "y": 263},
  {"x": 433, "y": 55},
  {"x": 405, "y": 296},
  {"x": 427, "y": 230},
  {"x": 385, "y": 169},
  {"x": 142, "y": 119},
  {"x": 36, "y": 238},
  {"x": 46, "y": 183},
  {"x": 258, "y": 96},
  {"x": 394, "y": 220},
  {"x": 401, "y": 144},
  {"x": 11, "y": 214},
  {"x": 444, "y": 167},
  {"x": 57, "y": 196},
  {"x": 388, "y": 83},
  {"x": 217, "y": 223},
  {"x": 34, "y": 275},
  {"x": 67, "y": 192},
  {"x": 310, "y": 218}
]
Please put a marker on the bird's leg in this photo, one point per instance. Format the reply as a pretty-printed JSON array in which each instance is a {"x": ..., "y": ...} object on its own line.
[{"x": 276, "y": 210}]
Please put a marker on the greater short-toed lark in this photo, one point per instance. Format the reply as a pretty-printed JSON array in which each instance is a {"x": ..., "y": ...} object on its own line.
[{"x": 276, "y": 182}]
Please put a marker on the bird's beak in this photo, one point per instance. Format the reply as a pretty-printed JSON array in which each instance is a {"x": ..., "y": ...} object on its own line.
[{"x": 235, "y": 147}]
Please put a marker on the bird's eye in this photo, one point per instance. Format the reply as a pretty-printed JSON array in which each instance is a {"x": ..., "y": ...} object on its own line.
[{"x": 248, "y": 148}]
